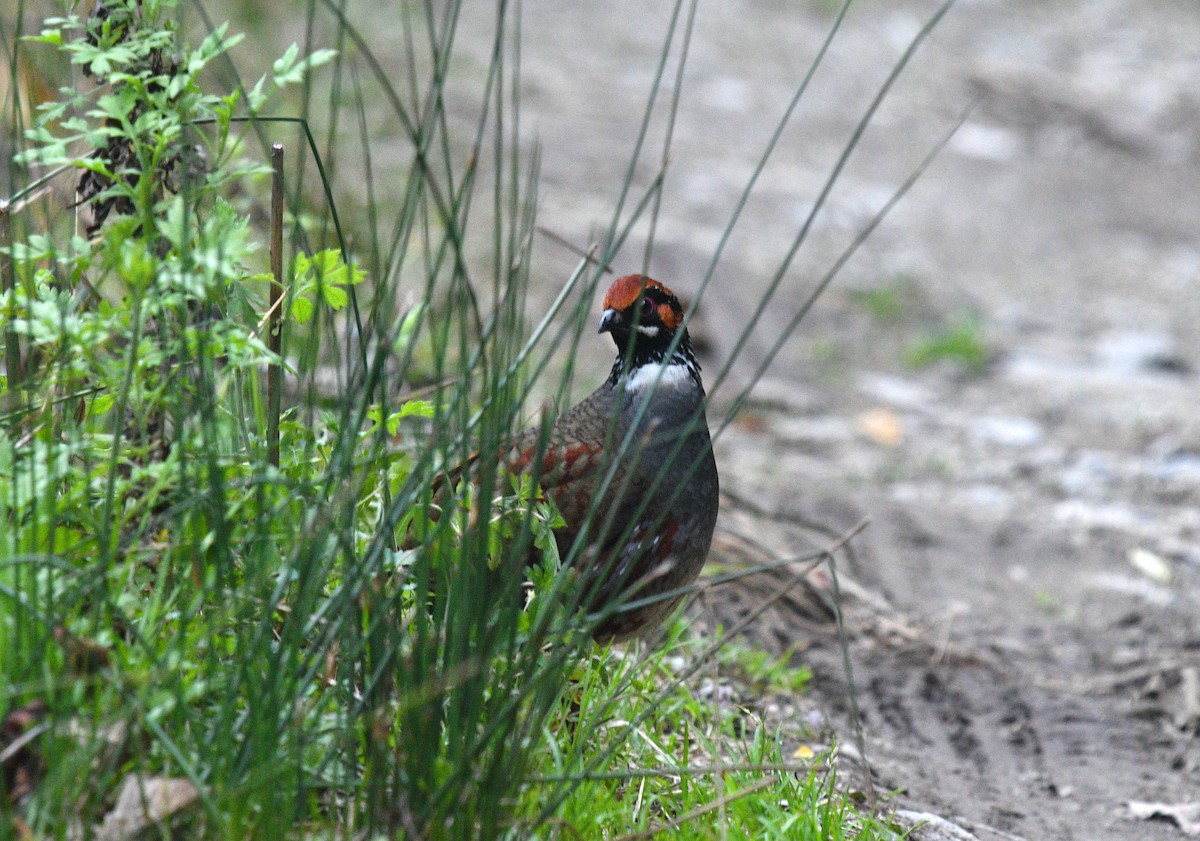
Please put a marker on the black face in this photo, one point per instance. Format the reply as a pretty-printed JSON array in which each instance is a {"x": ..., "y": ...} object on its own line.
[
  {"x": 653, "y": 311},
  {"x": 644, "y": 318}
]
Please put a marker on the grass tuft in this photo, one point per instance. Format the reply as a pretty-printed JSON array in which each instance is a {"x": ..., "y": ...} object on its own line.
[{"x": 962, "y": 343}]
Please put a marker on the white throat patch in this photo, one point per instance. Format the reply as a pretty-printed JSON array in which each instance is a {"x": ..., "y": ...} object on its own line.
[{"x": 647, "y": 376}]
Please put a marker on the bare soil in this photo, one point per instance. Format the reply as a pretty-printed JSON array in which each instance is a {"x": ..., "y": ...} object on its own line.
[{"x": 1026, "y": 643}]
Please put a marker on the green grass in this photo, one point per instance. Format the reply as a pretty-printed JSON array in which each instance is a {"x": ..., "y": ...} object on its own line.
[
  {"x": 698, "y": 768},
  {"x": 215, "y": 576},
  {"x": 962, "y": 342},
  {"x": 884, "y": 303}
]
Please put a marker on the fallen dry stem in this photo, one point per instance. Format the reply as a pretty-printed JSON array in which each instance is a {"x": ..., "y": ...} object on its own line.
[{"x": 685, "y": 771}]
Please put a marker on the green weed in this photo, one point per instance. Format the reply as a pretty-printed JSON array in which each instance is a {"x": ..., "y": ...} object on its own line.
[
  {"x": 884, "y": 303},
  {"x": 963, "y": 343}
]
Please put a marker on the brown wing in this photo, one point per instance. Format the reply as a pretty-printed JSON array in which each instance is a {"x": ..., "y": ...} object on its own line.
[
  {"x": 566, "y": 470},
  {"x": 571, "y": 472},
  {"x": 620, "y": 551}
]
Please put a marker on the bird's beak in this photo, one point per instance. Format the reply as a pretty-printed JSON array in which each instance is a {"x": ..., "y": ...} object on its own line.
[{"x": 609, "y": 319}]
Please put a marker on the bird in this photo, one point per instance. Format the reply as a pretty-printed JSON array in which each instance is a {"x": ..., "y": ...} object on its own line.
[{"x": 631, "y": 467}]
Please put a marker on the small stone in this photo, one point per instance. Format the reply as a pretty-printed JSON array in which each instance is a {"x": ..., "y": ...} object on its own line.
[
  {"x": 986, "y": 142},
  {"x": 986, "y": 497},
  {"x": 1087, "y": 474},
  {"x": 1132, "y": 351},
  {"x": 1178, "y": 467},
  {"x": 728, "y": 93},
  {"x": 1149, "y": 564},
  {"x": 897, "y": 391},
  {"x": 719, "y": 693},
  {"x": 825, "y": 430},
  {"x": 1091, "y": 516},
  {"x": 1007, "y": 431},
  {"x": 1138, "y": 588},
  {"x": 930, "y": 827}
]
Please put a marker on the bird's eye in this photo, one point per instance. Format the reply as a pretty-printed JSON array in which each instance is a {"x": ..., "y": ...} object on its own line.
[{"x": 649, "y": 308}]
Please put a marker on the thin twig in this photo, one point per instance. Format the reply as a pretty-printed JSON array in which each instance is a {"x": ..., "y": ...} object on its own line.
[
  {"x": 684, "y": 771},
  {"x": 851, "y": 691},
  {"x": 558, "y": 239},
  {"x": 14, "y": 747},
  {"x": 793, "y": 518}
]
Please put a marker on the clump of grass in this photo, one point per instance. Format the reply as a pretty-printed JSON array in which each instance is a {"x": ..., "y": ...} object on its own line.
[
  {"x": 889, "y": 302},
  {"x": 696, "y": 766},
  {"x": 773, "y": 673},
  {"x": 962, "y": 343}
]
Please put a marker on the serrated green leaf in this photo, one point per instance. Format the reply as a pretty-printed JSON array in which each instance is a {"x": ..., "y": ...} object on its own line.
[
  {"x": 327, "y": 263},
  {"x": 102, "y": 404},
  {"x": 334, "y": 295},
  {"x": 302, "y": 309},
  {"x": 416, "y": 408}
]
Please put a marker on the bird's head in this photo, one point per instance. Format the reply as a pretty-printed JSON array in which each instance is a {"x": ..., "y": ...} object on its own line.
[
  {"x": 644, "y": 317},
  {"x": 641, "y": 303}
]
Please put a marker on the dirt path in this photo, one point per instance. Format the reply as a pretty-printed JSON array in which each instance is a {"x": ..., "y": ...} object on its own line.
[{"x": 1035, "y": 522}]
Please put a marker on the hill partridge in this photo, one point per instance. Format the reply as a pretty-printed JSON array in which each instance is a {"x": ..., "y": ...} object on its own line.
[{"x": 636, "y": 456}]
